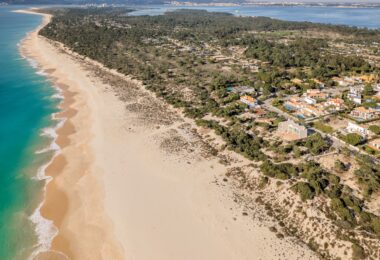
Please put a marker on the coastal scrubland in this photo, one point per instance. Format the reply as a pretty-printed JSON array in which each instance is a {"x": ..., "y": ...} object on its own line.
[{"x": 193, "y": 60}]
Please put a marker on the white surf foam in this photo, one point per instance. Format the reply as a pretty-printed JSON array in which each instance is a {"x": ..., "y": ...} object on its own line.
[
  {"x": 51, "y": 147},
  {"x": 58, "y": 96},
  {"x": 32, "y": 63},
  {"x": 41, "y": 72},
  {"x": 46, "y": 231},
  {"x": 45, "y": 228},
  {"x": 50, "y": 132}
]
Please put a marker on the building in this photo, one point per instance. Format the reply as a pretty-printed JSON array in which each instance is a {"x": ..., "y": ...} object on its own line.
[
  {"x": 294, "y": 103},
  {"x": 355, "y": 94},
  {"x": 337, "y": 103},
  {"x": 375, "y": 144},
  {"x": 341, "y": 82},
  {"x": 356, "y": 90},
  {"x": 310, "y": 101},
  {"x": 358, "y": 129},
  {"x": 356, "y": 99},
  {"x": 292, "y": 128},
  {"x": 316, "y": 94},
  {"x": 250, "y": 101},
  {"x": 363, "y": 113},
  {"x": 311, "y": 111},
  {"x": 242, "y": 90},
  {"x": 348, "y": 81}
]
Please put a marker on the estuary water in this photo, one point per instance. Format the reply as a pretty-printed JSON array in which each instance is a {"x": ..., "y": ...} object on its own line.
[{"x": 360, "y": 17}]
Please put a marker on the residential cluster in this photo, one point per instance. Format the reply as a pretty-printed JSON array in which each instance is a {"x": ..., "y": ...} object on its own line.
[
  {"x": 314, "y": 103},
  {"x": 354, "y": 104}
]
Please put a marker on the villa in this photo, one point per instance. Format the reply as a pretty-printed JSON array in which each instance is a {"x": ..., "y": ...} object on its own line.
[
  {"x": 316, "y": 94},
  {"x": 310, "y": 111},
  {"x": 363, "y": 113},
  {"x": 355, "y": 94},
  {"x": 250, "y": 101},
  {"x": 358, "y": 129},
  {"x": 356, "y": 90},
  {"x": 294, "y": 103},
  {"x": 337, "y": 103},
  {"x": 310, "y": 101},
  {"x": 355, "y": 99},
  {"x": 293, "y": 129}
]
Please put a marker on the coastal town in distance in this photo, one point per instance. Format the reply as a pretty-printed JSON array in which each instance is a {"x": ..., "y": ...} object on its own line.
[{"x": 208, "y": 134}]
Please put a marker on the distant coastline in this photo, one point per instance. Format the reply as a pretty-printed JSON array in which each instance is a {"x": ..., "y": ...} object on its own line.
[
  {"x": 304, "y": 4},
  {"x": 335, "y": 4}
]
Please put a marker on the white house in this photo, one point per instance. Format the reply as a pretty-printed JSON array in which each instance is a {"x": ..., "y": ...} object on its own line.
[
  {"x": 356, "y": 90},
  {"x": 355, "y": 128},
  {"x": 355, "y": 94},
  {"x": 356, "y": 99},
  {"x": 310, "y": 101}
]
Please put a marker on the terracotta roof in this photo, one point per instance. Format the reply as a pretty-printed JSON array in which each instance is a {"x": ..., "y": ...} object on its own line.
[
  {"x": 248, "y": 98},
  {"x": 337, "y": 101},
  {"x": 363, "y": 110}
]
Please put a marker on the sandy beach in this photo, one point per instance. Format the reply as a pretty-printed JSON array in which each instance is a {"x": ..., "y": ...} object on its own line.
[{"x": 134, "y": 179}]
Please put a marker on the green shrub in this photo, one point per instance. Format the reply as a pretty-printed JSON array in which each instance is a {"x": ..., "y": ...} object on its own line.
[
  {"x": 376, "y": 225},
  {"x": 375, "y": 129},
  {"x": 279, "y": 171},
  {"x": 357, "y": 252},
  {"x": 339, "y": 166},
  {"x": 317, "y": 144},
  {"x": 341, "y": 210},
  {"x": 353, "y": 138},
  {"x": 322, "y": 127},
  {"x": 305, "y": 191}
]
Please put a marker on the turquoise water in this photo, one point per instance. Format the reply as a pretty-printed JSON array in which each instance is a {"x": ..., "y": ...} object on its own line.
[
  {"x": 26, "y": 107},
  {"x": 361, "y": 17}
]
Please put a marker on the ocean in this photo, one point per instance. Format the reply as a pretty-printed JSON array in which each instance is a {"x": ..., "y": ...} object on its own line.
[
  {"x": 28, "y": 101},
  {"x": 26, "y": 108}
]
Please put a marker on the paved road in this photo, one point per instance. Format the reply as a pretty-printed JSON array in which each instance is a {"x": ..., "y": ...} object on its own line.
[
  {"x": 336, "y": 142},
  {"x": 268, "y": 106}
]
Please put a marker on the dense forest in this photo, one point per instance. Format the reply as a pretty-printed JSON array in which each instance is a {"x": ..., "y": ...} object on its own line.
[{"x": 199, "y": 27}]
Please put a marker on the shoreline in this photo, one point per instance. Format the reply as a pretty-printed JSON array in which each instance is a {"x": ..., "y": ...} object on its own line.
[
  {"x": 107, "y": 202},
  {"x": 45, "y": 229},
  {"x": 55, "y": 245}
]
